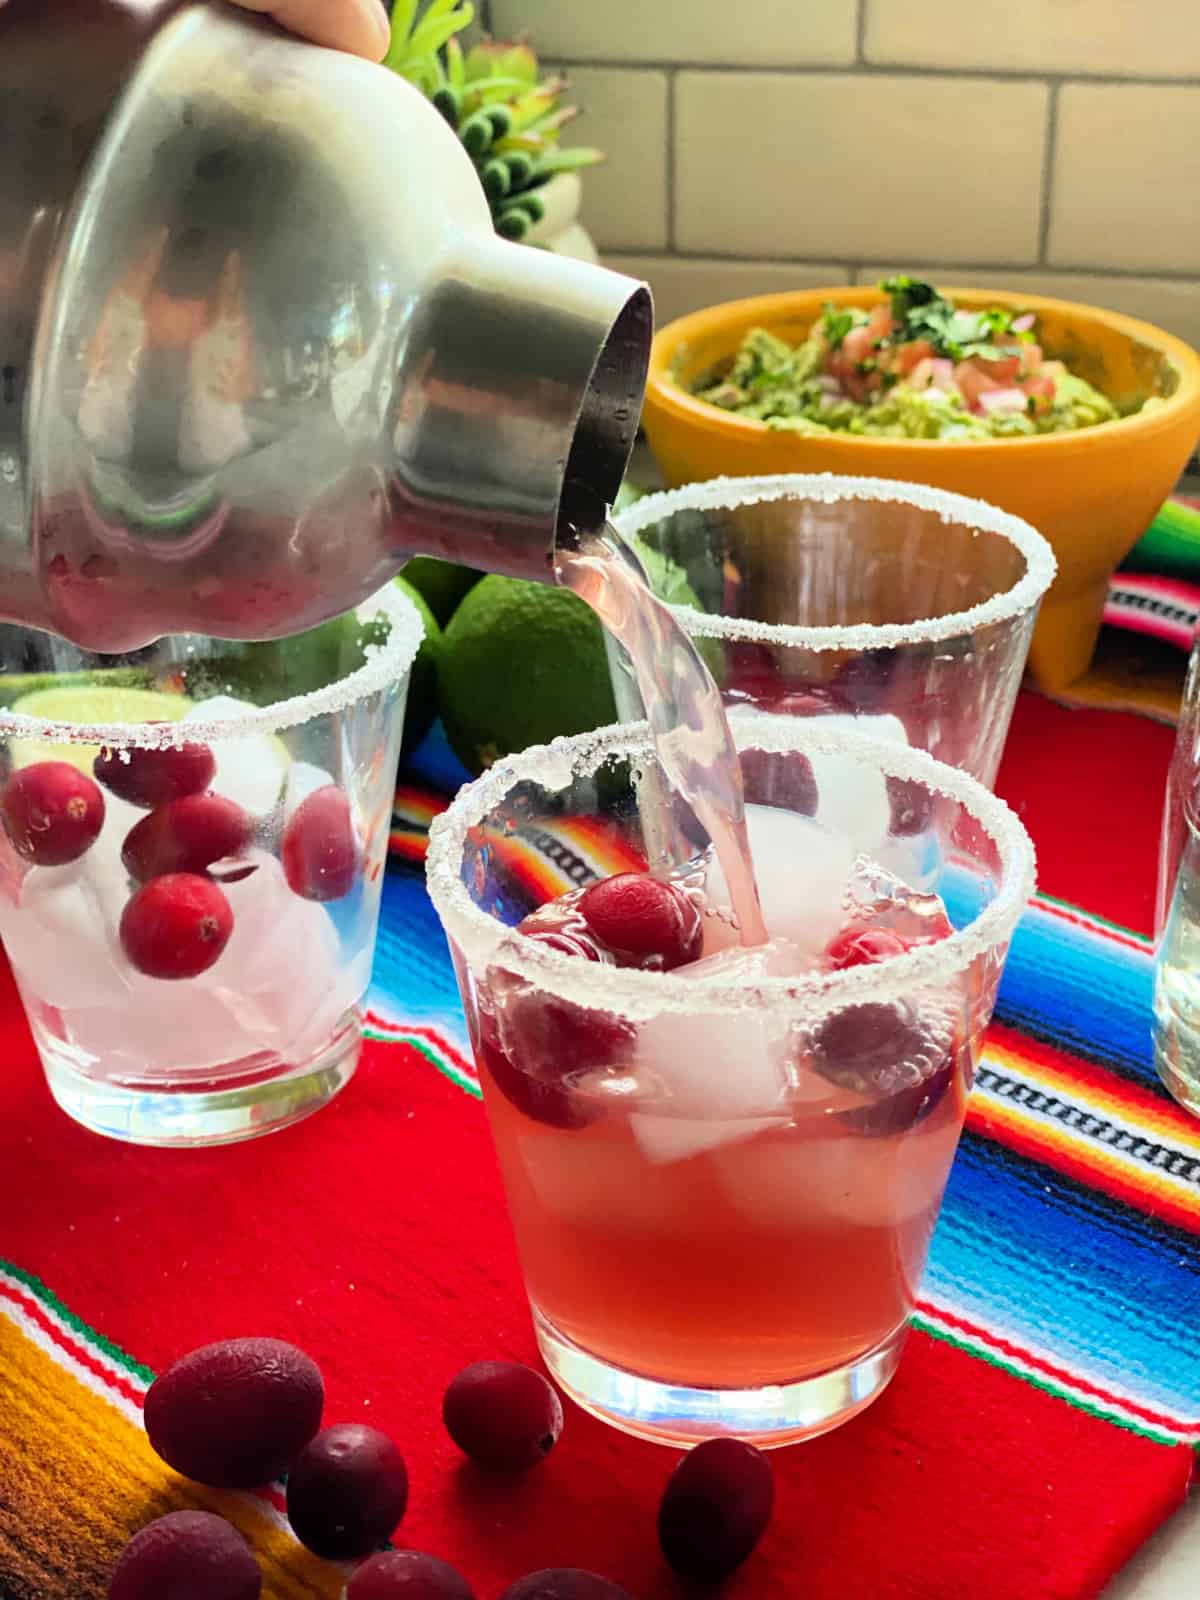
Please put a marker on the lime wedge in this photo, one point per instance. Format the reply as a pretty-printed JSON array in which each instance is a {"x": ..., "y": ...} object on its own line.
[{"x": 89, "y": 702}]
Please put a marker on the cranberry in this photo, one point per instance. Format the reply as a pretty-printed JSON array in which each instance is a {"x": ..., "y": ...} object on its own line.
[
  {"x": 186, "y": 1555},
  {"x": 643, "y": 921},
  {"x": 860, "y": 947},
  {"x": 51, "y": 812},
  {"x": 176, "y": 926},
  {"x": 911, "y": 807},
  {"x": 233, "y": 1415},
  {"x": 544, "y": 1098},
  {"x": 153, "y": 777},
  {"x": 319, "y": 850},
  {"x": 715, "y": 1509},
  {"x": 407, "y": 1575},
  {"x": 347, "y": 1491},
  {"x": 187, "y": 835},
  {"x": 862, "y": 1046},
  {"x": 502, "y": 1414},
  {"x": 564, "y": 1583},
  {"x": 786, "y": 780},
  {"x": 904, "y": 1109}
]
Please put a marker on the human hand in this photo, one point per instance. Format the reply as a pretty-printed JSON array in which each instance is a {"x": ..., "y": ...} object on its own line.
[{"x": 360, "y": 26}]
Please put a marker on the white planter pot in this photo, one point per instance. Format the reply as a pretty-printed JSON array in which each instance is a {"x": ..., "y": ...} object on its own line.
[{"x": 560, "y": 230}]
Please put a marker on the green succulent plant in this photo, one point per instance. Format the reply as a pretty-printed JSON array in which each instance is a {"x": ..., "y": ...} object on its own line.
[{"x": 507, "y": 116}]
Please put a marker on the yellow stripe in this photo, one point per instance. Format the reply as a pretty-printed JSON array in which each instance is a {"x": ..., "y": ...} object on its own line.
[
  {"x": 1165, "y": 1122},
  {"x": 80, "y": 1479},
  {"x": 1003, "y": 1114}
]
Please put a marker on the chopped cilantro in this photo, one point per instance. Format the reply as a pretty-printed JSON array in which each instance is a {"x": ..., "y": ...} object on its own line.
[{"x": 836, "y": 324}]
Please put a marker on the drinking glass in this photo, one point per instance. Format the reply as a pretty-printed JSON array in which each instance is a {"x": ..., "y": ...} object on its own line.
[
  {"x": 191, "y": 856},
  {"x": 1177, "y": 908},
  {"x": 723, "y": 1179},
  {"x": 861, "y": 596}
]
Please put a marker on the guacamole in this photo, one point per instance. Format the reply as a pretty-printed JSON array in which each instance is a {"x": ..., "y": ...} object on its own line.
[{"x": 914, "y": 367}]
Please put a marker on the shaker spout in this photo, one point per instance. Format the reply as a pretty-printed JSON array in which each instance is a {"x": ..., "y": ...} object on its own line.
[{"x": 518, "y": 405}]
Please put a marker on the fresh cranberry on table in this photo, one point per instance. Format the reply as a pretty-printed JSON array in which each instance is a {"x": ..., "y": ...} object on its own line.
[
  {"x": 51, "y": 812},
  {"x": 564, "y": 1583},
  {"x": 715, "y": 1509},
  {"x": 234, "y": 1414},
  {"x": 153, "y": 777},
  {"x": 407, "y": 1575},
  {"x": 502, "y": 1414},
  {"x": 347, "y": 1491},
  {"x": 186, "y": 1555}
]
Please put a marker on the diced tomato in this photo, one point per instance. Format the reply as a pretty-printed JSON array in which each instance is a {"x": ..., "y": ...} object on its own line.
[
  {"x": 858, "y": 345},
  {"x": 881, "y": 323},
  {"x": 909, "y": 356},
  {"x": 1004, "y": 370},
  {"x": 973, "y": 380},
  {"x": 1031, "y": 358}
]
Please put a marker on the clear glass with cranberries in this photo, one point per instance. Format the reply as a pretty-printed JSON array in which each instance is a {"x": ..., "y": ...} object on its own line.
[
  {"x": 724, "y": 1163},
  {"x": 192, "y": 842}
]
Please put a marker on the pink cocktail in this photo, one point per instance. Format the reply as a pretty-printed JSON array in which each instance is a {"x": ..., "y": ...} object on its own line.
[{"x": 724, "y": 1164}]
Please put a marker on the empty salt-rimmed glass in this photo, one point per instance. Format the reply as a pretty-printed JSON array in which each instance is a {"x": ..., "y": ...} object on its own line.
[
  {"x": 192, "y": 842},
  {"x": 723, "y": 1178},
  {"x": 861, "y": 596}
]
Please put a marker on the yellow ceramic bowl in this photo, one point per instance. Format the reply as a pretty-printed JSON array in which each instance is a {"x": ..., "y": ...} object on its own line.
[{"x": 1091, "y": 493}]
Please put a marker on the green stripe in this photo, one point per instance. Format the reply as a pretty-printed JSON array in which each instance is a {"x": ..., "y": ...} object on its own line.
[
  {"x": 89, "y": 1335},
  {"x": 444, "y": 1065},
  {"x": 1090, "y": 916},
  {"x": 1048, "y": 1386}
]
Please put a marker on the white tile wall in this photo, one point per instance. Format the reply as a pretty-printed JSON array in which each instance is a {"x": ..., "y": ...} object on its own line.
[
  {"x": 837, "y": 165},
  {"x": 753, "y": 144},
  {"x": 1118, "y": 38},
  {"x": 625, "y": 114},
  {"x": 762, "y": 33},
  {"x": 1127, "y": 178}
]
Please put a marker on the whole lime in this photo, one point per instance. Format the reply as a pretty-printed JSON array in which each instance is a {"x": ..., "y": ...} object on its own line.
[
  {"x": 443, "y": 584},
  {"x": 521, "y": 664}
]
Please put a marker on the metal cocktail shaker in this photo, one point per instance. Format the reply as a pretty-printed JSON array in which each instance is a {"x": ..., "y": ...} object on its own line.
[{"x": 259, "y": 341}]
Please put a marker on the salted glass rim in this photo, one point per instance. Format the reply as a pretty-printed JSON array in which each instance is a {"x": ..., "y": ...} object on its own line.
[
  {"x": 826, "y": 488},
  {"x": 384, "y": 664},
  {"x": 484, "y": 941}
]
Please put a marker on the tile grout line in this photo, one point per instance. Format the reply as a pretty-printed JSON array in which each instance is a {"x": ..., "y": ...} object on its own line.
[
  {"x": 671, "y": 164},
  {"x": 1049, "y": 154},
  {"x": 1057, "y": 269},
  {"x": 878, "y": 69}
]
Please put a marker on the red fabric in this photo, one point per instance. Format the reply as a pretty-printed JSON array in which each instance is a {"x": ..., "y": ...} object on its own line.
[
  {"x": 374, "y": 1235},
  {"x": 1082, "y": 781}
]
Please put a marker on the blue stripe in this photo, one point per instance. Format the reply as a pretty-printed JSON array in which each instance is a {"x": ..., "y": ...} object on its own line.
[
  {"x": 413, "y": 979},
  {"x": 1081, "y": 992},
  {"x": 1102, "y": 1289}
]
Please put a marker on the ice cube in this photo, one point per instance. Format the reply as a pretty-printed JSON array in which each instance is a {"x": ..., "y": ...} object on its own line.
[
  {"x": 710, "y": 1077},
  {"x": 303, "y": 779},
  {"x": 793, "y": 1180},
  {"x": 607, "y": 1184},
  {"x": 853, "y": 800},
  {"x": 59, "y": 942},
  {"x": 276, "y": 988},
  {"x": 803, "y": 869},
  {"x": 250, "y": 769}
]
